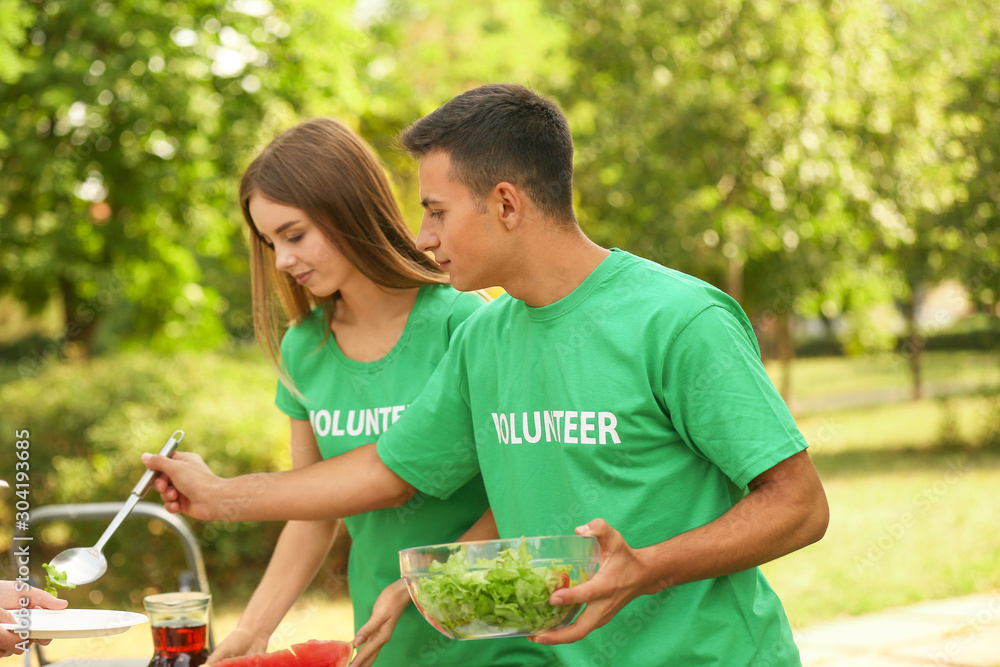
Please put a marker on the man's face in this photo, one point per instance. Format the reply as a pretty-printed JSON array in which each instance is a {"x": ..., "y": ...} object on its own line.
[{"x": 465, "y": 240}]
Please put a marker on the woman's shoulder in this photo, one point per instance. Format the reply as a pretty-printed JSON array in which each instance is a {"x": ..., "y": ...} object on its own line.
[
  {"x": 447, "y": 303},
  {"x": 449, "y": 295},
  {"x": 308, "y": 330}
]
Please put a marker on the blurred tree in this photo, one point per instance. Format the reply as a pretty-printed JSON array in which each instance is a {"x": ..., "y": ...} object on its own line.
[
  {"x": 130, "y": 134},
  {"x": 15, "y": 16},
  {"x": 380, "y": 65},
  {"x": 123, "y": 138},
  {"x": 920, "y": 167},
  {"x": 719, "y": 138},
  {"x": 976, "y": 125}
]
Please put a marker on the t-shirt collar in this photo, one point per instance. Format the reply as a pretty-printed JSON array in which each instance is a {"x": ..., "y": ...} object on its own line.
[{"x": 578, "y": 295}]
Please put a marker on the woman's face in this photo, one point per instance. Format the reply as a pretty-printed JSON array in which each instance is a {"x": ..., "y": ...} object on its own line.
[{"x": 300, "y": 248}]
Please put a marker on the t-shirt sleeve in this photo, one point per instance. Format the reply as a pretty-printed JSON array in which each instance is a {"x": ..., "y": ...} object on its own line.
[
  {"x": 288, "y": 404},
  {"x": 286, "y": 401},
  {"x": 721, "y": 400},
  {"x": 432, "y": 446}
]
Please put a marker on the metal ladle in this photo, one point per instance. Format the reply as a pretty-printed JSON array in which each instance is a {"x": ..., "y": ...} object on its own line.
[{"x": 83, "y": 565}]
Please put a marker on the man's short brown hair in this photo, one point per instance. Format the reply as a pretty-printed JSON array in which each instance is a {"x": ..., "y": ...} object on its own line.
[{"x": 502, "y": 132}]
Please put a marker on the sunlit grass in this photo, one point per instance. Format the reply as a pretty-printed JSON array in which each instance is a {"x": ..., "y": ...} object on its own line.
[
  {"x": 925, "y": 528},
  {"x": 906, "y": 424},
  {"x": 912, "y": 491},
  {"x": 830, "y": 376}
]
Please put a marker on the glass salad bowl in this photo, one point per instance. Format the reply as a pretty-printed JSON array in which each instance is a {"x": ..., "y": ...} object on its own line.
[{"x": 497, "y": 588}]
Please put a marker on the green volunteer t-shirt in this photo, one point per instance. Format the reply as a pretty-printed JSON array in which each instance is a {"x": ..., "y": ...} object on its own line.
[
  {"x": 349, "y": 404},
  {"x": 638, "y": 398}
]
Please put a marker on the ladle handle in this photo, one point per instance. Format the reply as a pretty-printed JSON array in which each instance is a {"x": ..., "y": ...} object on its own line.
[
  {"x": 139, "y": 491},
  {"x": 147, "y": 478}
]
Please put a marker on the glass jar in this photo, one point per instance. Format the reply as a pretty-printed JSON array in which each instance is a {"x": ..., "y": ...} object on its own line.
[{"x": 180, "y": 628}]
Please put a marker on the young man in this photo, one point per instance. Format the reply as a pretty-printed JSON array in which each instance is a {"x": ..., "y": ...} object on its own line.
[{"x": 603, "y": 394}]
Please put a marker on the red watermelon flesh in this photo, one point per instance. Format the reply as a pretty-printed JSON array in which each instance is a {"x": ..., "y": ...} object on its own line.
[
  {"x": 280, "y": 659},
  {"x": 313, "y": 653},
  {"x": 318, "y": 653}
]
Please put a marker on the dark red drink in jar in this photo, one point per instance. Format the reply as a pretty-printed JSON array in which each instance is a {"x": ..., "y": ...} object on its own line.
[
  {"x": 180, "y": 628},
  {"x": 179, "y": 645}
]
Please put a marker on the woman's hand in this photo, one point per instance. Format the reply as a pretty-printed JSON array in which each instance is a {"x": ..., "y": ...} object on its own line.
[
  {"x": 374, "y": 634},
  {"x": 8, "y": 639},
  {"x": 13, "y": 596},
  {"x": 238, "y": 643}
]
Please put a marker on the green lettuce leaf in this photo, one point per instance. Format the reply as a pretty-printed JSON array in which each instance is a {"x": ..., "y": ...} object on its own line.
[
  {"x": 505, "y": 594},
  {"x": 55, "y": 579}
]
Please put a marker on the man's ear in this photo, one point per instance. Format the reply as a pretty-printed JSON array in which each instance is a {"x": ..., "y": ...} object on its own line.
[{"x": 508, "y": 202}]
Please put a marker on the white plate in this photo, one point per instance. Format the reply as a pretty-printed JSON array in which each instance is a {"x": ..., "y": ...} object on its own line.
[{"x": 75, "y": 623}]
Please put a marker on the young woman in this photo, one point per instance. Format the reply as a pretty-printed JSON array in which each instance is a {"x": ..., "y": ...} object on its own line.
[{"x": 369, "y": 318}]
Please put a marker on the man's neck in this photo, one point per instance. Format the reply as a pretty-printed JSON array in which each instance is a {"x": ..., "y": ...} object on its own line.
[{"x": 553, "y": 264}]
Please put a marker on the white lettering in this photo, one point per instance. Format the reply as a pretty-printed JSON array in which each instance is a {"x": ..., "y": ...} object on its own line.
[
  {"x": 538, "y": 427},
  {"x": 562, "y": 426},
  {"x": 587, "y": 426},
  {"x": 371, "y": 422},
  {"x": 375, "y": 420},
  {"x": 319, "y": 426},
  {"x": 351, "y": 429},
  {"x": 335, "y": 426},
  {"x": 496, "y": 422},
  {"x": 557, "y": 426},
  {"x": 570, "y": 423},
  {"x": 396, "y": 411},
  {"x": 606, "y": 424},
  {"x": 550, "y": 428},
  {"x": 514, "y": 440}
]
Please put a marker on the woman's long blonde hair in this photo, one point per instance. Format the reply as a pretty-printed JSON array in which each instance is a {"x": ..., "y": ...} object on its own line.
[{"x": 327, "y": 171}]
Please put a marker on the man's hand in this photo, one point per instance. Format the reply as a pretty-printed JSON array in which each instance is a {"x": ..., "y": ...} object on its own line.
[
  {"x": 186, "y": 485},
  {"x": 12, "y": 598},
  {"x": 352, "y": 483},
  {"x": 617, "y": 582},
  {"x": 374, "y": 634}
]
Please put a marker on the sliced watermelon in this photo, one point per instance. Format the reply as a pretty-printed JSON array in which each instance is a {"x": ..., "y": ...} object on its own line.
[
  {"x": 319, "y": 653},
  {"x": 280, "y": 659},
  {"x": 242, "y": 661},
  {"x": 283, "y": 658},
  {"x": 313, "y": 653}
]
